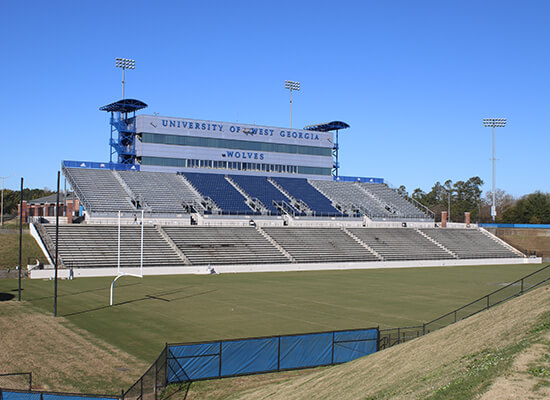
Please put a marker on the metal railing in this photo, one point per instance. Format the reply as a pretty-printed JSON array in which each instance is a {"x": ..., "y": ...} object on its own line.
[{"x": 393, "y": 336}]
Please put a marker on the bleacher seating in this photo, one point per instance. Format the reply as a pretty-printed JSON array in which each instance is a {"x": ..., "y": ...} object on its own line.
[
  {"x": 466, "y": 243},
  {"x": 83, "y": 246},
  {"x": 398, "y": 204},
  {"x": 224, "y": 245},
  {"x": 95, "y": 246},
  {"x": 99, "y": 190},
  {"x": 395, "y": 244},
  {"x": 300, "y": 189},
  {"x": 259, "y": 187},
  {"x": 104, "y": 191},
  {"x": 159, "y": 191},
  {"x": 351, "y": 198},
  {"x": 217, "y": 188},
  {"x": 319, "y": 245}
]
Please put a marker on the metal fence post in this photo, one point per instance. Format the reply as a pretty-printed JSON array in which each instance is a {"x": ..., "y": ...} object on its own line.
[
  {"x": 423, "y": 329},
  {"x": 279, "y": 354},
  {"x": 332, "y": 350},
  {"x": 166, "y": 364},
  {"x": 378, "y": 338},
  {"x": 398, "y": 335},
  {"x": 155, "y": 384},
  {"x": 521, "y": 290},
  {"x": 220, "y": 371},
  {"x": 488, "y": 302}
]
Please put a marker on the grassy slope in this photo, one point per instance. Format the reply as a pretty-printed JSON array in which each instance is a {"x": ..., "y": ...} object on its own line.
[
  {"x": 528, "y": 239},
  {"x": 60, "y": 356},
  {"x": 457, "y": 362},
  {"x": 155, "y": 310},
  {"x": 9, "y": 249}
]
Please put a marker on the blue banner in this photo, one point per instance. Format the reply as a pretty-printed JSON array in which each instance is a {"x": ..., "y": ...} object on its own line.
[
  {"x": 306, "y": 350},
  {"x": 100, "y": 165},
  {"x": 249, "y": 356},
  {"x": 22, "y": 395},
  {"x": 195, "y": 361},
  {"x": 191, "y": 362}
]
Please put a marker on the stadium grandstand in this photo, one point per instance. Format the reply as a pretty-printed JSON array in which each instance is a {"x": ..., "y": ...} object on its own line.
[{"x": 205, "y": 193}]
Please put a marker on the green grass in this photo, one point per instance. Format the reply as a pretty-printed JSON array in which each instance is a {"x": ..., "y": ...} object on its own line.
[
  {"x": 151, "y": 311},
  {"x": 9, "y": 250}
]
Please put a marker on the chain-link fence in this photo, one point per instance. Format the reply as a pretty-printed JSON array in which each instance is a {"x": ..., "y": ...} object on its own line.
[{"x": 393, "y": 336}]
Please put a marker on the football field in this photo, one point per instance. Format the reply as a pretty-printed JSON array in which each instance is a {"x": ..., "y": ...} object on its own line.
[{"x": 151, "y": 311}]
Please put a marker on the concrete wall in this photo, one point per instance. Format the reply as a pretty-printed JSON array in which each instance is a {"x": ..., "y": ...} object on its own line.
[{"x": 90, "y": 272}]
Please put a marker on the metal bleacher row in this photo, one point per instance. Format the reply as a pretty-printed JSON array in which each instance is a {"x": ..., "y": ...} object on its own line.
[
  {"x": 86, "y": 245},
  {"x": 104, "y": 191}
]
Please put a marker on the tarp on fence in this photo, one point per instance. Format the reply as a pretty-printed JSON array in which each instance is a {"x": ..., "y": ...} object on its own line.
[
  {"x": 195, "y": 361},
  {"x": 25, "y": 395}
]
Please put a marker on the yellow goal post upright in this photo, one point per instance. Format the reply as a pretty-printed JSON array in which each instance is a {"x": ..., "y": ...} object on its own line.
[{"x": 121, "y": 273}]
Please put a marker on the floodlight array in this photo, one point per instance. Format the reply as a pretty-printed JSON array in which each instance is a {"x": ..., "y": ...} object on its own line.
[
  {"x": 125, "y": 63},
  {"x": 292, "y": 85},
  {"x": 494, "y": 122}
]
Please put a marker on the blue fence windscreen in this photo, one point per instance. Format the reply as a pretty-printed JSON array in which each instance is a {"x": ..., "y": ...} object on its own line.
[
  {"x": 248, "y": 356},
  {"x": 189, "y": 362},
  {"x": 354, "y": 344},
  {"x": 7, "y": 395},
  {"x": 306, "y": 350},
  {"x": 70, "y": 397},
  {"x": 21, "y": 395}
]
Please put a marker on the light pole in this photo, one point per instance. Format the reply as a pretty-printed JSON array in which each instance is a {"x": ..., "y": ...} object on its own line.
[
  {"x": 292, "y": 85},
  {"x": 494, "y": 123},
  {"x": 2, "y": 206},
  {"x": 125, "y": 63}
]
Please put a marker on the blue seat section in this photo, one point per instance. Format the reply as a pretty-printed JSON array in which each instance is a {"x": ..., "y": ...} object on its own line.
[
  {"x": 300, "y": 189},
  {"x": 222, "y": 192},
  {"x": 260, "y": 188}
]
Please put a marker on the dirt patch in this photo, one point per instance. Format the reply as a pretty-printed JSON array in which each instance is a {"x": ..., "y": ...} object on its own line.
[
  {"x": 522, "y": 381},
  {"x": 60, "y": 356}
]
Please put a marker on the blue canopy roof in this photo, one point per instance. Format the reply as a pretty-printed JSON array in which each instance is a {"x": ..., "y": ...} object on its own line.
[
  {"x": 327, "y": 126},
  {"x": 124, "y": 105}
]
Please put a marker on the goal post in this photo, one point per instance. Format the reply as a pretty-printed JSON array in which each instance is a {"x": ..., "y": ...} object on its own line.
[{"x": 121, "y": 273}]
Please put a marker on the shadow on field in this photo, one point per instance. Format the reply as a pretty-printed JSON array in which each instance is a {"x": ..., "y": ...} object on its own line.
[
  {"x": 102, "y": 289},
  {"x": 6, "y": 296},
  {"x": 156, "y": 296},
  {"x": 178, "y": 391}
]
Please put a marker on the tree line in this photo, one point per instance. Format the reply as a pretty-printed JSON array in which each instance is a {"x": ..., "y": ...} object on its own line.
[
  {"x": 12, "y": 197},
  {"x": 466, "y": 196}
]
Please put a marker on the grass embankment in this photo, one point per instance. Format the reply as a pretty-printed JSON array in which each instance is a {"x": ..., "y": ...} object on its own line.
[
  {"x": 151, "y": 311},
  {"x": 502, "y": 353},
  {"x": 529, "y": 239},
  {"x": 9, "y": 248},
  {"x": 60, "y": 356}
]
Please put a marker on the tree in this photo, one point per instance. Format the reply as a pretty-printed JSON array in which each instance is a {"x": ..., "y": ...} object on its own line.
[
  {"x": 463, "y": 196},
  {"x": 402, "y": 190},
  {"x": 533, "y": 208},
  {"x": 503, "y": 201}
]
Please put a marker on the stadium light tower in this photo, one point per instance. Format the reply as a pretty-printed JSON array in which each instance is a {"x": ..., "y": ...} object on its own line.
[
  {"x": 125, "y": 63},
  {"x": 494, "y": 123},
  {"x": 292, "y": 85}
]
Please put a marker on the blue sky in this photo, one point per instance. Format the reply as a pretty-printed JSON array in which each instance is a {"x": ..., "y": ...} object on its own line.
[{"x": 413, "y": 79}]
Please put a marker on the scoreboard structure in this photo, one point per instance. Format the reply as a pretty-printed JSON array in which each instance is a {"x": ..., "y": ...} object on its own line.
[{"x": 173, "y": 144}]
